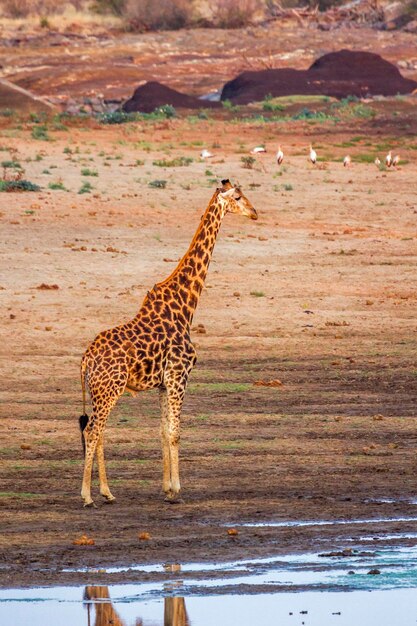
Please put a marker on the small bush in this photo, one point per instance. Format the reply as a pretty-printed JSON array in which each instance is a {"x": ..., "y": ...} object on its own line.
[
  {"x": 144, "y": 15},
  {"x": 308, "y": 114},
  {"x": 158, "y": 184},
  {"x": 7, "y": 112},
  {"x": 178, "y": 162},
  {"x": 18, "y": 185},
  {"x": 41, "y": 133},
  {"x": 117, "y": 117},
  {"x": 269, "y": 105},
  {"x": 234, "y": 13},
  {"x": 86, "y": 187},
  {"x": 24, "y": 8},
  {"x": 13, "y": 165},
  {"x": 57, "y": 186},
  {"x": 363, "y": 111},
  {"x": 229, "y": 106},
  {"x": 87, "y": 172},
  {"x": 166, "y": 110},
  {"x": 248, "y": 162},
  {"x": 115, "y": 7}
]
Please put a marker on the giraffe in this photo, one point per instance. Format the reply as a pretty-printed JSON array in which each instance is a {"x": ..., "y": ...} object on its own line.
[{"x": 154, "y": 350}]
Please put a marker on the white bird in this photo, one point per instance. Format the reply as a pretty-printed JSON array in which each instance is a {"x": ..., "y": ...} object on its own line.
[
  {"x": 395, "y": 160},
  {"x": 313, "y": 155},
  {"x": 347, "y": 161},
  {"x": 280, "y": 156},
  {"x": 377, "y": 161},
  {"x": 388, "y": 159},
  {"x": 205, "y": 154},
  {"x": 258, "y": 149}
]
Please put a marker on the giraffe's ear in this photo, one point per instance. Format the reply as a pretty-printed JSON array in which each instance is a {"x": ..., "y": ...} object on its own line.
[
  {"x": 226, "y": 184},
  {"x": 228, "y": 193}
]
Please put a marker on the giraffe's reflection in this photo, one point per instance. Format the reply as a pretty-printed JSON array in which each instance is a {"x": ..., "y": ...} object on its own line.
[{"x": 175, "y": 613}]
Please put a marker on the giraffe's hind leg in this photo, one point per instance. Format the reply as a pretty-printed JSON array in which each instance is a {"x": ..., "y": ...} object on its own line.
[
  {"x": 104, "y": 486},
  {"x": 93, "y": 437}
]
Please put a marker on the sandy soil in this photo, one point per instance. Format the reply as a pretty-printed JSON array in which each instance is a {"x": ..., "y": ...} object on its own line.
[{"x": 319, "y": 293}]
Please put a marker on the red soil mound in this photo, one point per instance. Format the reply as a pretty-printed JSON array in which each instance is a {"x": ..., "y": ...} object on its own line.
[
  {"x": 338, "y": 74},
  {"x": 152, "y": 95}
]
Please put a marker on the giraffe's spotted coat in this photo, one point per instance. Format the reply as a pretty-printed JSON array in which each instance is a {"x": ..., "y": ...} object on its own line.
[{"x": 154, "y": 349}]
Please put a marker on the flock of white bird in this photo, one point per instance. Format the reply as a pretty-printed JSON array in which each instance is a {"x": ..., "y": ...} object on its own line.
[{"x": 390, "y": 161}]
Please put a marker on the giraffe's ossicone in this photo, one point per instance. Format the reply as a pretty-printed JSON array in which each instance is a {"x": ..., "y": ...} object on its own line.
[{"x": 154, "y": 350}]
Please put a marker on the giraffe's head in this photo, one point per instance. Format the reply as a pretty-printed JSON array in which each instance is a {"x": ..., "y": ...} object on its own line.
[{"x": 234, "y": 201}]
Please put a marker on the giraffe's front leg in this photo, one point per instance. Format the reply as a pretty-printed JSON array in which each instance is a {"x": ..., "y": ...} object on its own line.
[
  {"x": 104, "y": 486},
  {"x": 166, "y": 463},
  {"x": 172, "y": 434}
]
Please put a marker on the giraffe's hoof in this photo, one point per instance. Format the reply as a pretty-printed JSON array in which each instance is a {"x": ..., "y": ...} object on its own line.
[
  {"x": 90, "y": 505},
  {"x": 173, "y": 499},
  {"x": 109, "y": 498}
]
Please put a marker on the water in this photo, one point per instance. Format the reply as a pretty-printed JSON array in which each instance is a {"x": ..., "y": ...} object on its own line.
[
  {"x": 67, "y": 608},
  {"x": 293, "y": 589},
  {"x": 125, "y": 608},
  {"x": 300, "y": 524}
]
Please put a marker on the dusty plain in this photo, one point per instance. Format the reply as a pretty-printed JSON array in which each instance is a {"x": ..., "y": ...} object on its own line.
[{"x": 320, "y": 294}]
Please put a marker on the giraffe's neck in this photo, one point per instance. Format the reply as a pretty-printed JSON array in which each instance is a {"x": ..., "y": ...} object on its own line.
[{"x": 180, "y": 292}]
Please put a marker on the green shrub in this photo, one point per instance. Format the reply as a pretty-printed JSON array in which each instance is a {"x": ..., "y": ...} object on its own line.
[
  {"x": 166, "y": 110},
  {"x": 86, "y": 187},
  {"x": 117, "y": 117},
  {"x": 158, "y": 184},
  {"x": 269, "y": 105},
  {"x": 57, "y": 186},
  {"x": 13, "y": 165},
  {"x": 41, "y": 133},
  {"x": 18, "y": 185},
  {"x": 7, "y": 112},
  {"x": 177, "y": 162},
  {"x": 248, "y": 162}
]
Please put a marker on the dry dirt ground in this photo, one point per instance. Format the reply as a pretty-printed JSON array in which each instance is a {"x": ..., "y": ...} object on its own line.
[
  {"x": 76, "y": 61},
  {"x": 319, "y": 293}
]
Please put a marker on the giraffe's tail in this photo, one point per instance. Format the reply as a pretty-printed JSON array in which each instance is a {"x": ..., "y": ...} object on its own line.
[{"x": 83, "y": 419}]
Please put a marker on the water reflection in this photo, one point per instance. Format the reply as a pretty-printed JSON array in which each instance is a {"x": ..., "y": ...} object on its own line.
[
  {"x": 175, "y": 612},
  {"x": 105, "y": 613}
]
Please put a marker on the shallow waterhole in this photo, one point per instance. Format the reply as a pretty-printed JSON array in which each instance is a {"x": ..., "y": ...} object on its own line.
[
  {"x": 380, "y": 608},
  {"x": 296, "y": 589}
]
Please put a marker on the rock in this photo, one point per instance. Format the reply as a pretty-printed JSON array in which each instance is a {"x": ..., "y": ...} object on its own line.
[
  {"x": 144, "y": 536},
  {"x": 46, "y": 287},
  {"x": 411, "y": 27},
  {"x": 395, "y": 14},
  {"x": 152, "y": 95},
  {"x": 374, "y": 572},
  {"x": 338, "y": 74}
]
